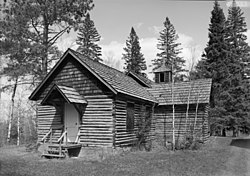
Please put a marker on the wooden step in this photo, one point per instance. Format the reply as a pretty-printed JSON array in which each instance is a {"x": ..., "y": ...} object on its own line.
[
  {"x": 55, "y": 151},
  {"x": 47, "y": 155}
]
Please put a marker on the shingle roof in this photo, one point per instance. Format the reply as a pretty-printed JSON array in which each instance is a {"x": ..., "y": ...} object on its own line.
[
  {"x": 162, "y": 68},
  {"x": 147, "y": 82},
  {"x": 116, "y": 79},
  {"x": 68, "y": 93},
  {"x": 199, "y": 90}
]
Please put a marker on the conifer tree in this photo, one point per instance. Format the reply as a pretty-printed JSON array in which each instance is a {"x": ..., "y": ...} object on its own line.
[
  {"x": 236, "y": 29},
  {"x": 134, "y": 59},
  {"x": 236, "y": 99},
  {"x": 87, "y": 39},
  {"x": 214, "y": 65},
  {"x": 47, "y": 22},
  {"x": 169, "y": 50}
]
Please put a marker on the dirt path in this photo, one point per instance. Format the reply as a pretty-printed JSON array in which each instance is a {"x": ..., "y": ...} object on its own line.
[{"x": 239, "y": 160}]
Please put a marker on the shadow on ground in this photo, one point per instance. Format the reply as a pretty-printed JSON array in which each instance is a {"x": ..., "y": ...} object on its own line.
[{"x": 242, "y": 143}]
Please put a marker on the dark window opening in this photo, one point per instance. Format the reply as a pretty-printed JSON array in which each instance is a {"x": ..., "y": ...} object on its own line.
[
  {"x": 162, "y": 77},
  {"x": 130, "y": 116}
]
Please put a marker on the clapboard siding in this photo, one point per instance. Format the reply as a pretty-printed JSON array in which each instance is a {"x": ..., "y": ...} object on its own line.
[
  {"x": 164, "y": 115},
  {"x": 72, "y": 74},
  {"x": 123, "y": 137},
  {"x": 47, "y": 118},
  {"x": 97, "y": 121}
]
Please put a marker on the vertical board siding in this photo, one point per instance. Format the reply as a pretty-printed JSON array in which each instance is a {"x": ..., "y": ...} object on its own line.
[
  {"x": 97, "y": 122},
  {"x": 123, "y": 137},
  {"x": 163, "y": 116},
  {"x": 49, "y": 117}
]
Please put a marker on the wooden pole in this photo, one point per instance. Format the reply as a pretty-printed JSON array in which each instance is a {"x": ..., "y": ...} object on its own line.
[{"x": 173, "y": 107}]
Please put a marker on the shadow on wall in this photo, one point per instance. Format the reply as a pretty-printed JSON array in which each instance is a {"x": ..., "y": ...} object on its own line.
[{"x": 243, "y": 143}]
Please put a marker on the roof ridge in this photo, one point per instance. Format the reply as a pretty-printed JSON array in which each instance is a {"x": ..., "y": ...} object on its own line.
[{"x": 98, "y": 62}]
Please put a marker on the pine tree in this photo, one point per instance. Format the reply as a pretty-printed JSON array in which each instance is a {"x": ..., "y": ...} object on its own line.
[
  {"x": 15, "y": 47},
  {"x": 169, "y": 50},
  {"x": 214, "y": 65},
  {"x": 134, "y": 59},
  {"x": 87, "y": 39},
  {"x": 236, "y": 99},
  {"x": 48, "y": 21},
  {"x": 236, "y": 29}
]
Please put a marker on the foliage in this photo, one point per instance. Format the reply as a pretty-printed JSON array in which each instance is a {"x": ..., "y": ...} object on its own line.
[
  {"x": 15, "y": 45},
  {"x": 226, "y": 61},
  {"x": 47, "y": 22},
  {"x": 188, "y": 142},
  {"x": 134, "y": 59},
  {"x": 87, "y": 38},
  {"x": 143, "y": 132},
  {"x": 169, "y": 50}
]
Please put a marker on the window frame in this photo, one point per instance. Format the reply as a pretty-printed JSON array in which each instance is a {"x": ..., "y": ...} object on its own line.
[{"x": 130, "y": 118}]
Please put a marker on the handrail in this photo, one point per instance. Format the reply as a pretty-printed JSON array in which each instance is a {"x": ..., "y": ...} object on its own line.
[
  {"x": 63, "y": 135},
  {"x": 58, "y": 127},
  {"x": 78, "y": 135},
  {"x": 46, "y": 135}
]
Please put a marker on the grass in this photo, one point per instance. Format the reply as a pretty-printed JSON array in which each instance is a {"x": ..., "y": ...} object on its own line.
[{"x": 210, "y": 160}]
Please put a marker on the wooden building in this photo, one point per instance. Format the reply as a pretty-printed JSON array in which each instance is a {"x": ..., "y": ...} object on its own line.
[
  {"x": 191, "y": 104},
  {"x": 83, "y": 101},
  {"x": 89, "y": 103}
]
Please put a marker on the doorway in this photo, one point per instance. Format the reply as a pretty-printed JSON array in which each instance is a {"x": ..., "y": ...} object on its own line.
[{"x": 71, "y": 121}]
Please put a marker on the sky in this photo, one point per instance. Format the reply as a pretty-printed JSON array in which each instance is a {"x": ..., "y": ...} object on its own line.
[{"x": 114, "y": 19}]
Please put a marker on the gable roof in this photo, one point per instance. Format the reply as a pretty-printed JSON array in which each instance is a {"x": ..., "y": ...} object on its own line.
[
  {"x": 115, "y": 80},
  {"x": 69, "y": 94},
  {"x": 141, "y": 79},
  {"x": 162, "y": 68},
  {"x": 197, "y": 91}
]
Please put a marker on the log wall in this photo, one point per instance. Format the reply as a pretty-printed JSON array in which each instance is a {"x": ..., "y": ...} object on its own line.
[
  {"x": 164, "y": 114},
  {"x": 49, "y": 117},
  {"x": 123, "y": 137},
  {"x": 97, "y": 121}
]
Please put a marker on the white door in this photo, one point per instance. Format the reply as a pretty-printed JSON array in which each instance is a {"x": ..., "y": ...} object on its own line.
[{"x": 71, "y": 121}]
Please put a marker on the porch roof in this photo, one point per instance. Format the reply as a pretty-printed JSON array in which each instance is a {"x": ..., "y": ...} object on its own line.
[{"x": 69, "y": 94}]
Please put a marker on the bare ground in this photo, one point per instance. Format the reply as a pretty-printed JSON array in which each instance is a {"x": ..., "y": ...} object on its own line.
[{"x": 217, "y": 157}]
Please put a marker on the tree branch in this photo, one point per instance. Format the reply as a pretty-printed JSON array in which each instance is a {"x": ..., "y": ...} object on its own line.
[{"x": 59, "y": 34}]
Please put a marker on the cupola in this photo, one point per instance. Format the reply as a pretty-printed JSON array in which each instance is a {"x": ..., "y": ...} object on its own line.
[{"x": 163, "y": 74}]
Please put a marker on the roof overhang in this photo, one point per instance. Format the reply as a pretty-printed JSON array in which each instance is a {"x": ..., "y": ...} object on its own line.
[
  {"x": 69, "y": 95},
  {"x": 35, "y": 92},
  {"x": 135, "y": 76}
]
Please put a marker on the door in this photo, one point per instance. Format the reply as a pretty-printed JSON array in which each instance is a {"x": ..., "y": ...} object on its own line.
[{"x": 71, "y": 122}]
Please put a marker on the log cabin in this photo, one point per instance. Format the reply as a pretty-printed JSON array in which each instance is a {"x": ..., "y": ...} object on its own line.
[{"x": 81, "y": 101}]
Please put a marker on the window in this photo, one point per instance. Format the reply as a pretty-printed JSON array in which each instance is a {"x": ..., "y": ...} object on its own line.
[
  {"x": 130, "y": 116},
  {"x": 162, "y": 77}
]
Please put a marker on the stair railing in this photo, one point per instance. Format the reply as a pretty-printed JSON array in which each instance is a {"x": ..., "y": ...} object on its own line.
[
  {"x": 63, "y": 136},
  {"x": 46, "y": 135},
  {"x": 50, "y": 132},
  {"x": 78, "y": 136}
]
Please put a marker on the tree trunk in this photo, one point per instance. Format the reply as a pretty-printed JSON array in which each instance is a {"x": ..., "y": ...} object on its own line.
[
  {"x": 18, "y": 129},
  {"x": 188, "y": 100},
  {"x": 173, "y": 123},
  {"x": 12, "y": 110},
  {"x": 223, "y": 132},
  {"x": 46, "y": 46}
]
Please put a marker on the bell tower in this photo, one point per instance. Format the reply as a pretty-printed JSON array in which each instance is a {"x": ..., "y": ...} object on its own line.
[{"x": 163, "y": 74}]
